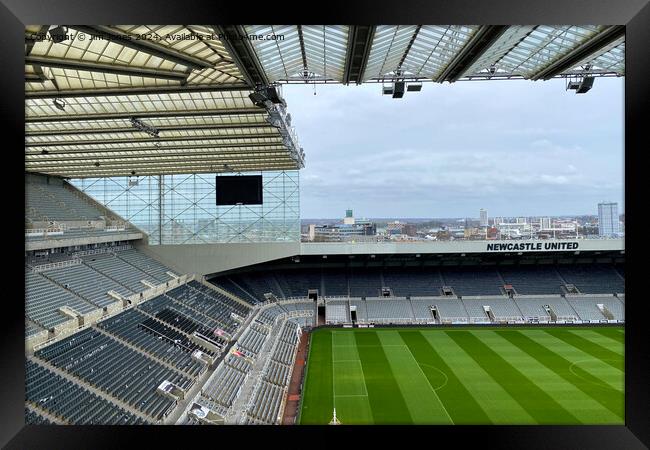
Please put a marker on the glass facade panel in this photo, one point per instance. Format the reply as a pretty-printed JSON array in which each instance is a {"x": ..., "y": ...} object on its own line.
[{"x": 181, "y": 209}]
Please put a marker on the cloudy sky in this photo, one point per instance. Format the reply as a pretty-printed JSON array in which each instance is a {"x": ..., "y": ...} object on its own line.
[{"x": 512, "y": 147}]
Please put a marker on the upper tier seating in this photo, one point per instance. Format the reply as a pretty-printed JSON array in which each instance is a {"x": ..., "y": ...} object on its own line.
[
  {"x": 56, "y": 201},
  {"x": 336, "y": 283},
  {"x": 472, "y": 280},
  {"x": 533, "y": 280},
  {"x": 145, "y": 264},
  {"x": 300, "y": 282},
  {"x": 43, "y": 299},
  {"x": 234, "y": 288},
  {"x": 118, "y": 270},
  {"x": 87, "y": 283},
  {"x": 413, "y": 281},
  {"x": 593, "y": 278},
  {"x": 365, "y": 283}
]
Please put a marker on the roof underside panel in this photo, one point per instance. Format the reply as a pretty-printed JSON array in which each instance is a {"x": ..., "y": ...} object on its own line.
[
  {"x": 195, "y": 132},
  {"x": 280, "y": 58},
  {"x": 524, "y": 51},
  {"x": 419, "y": 52},
  {"x": 119, "y": 57},
  {"x": 306, "y": 52}
]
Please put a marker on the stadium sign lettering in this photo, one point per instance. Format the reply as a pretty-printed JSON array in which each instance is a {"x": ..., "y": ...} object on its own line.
[{"x": 532, "y": 246}]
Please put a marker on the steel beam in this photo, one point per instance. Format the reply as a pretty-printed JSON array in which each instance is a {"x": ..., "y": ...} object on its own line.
[
  {"x": 152, "y": 161},
  {"x": 484, "y": 37},
  {"x": 92, "y": 172},
  {"x": 161, "y": 149},
  {"x": 359, "y": 42},
  {"x": 130, "y": 129},
  {"x": 143, "y": 45},
  {"x": 408, "y": 47},
  {"x": 37, "y": 159},
  {"x": 149, "y": 140},
  {"x": 62, "y": 63},
  {"x": 137, "y": 91},
  {"x": 243, "y": 55},
  {"x": 572, "y": 58},
  {"x": 302, "y": 47},
  {"x": 140, "y": 114}
]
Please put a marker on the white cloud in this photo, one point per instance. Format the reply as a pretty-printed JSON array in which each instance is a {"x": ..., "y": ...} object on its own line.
[{"x": 535, "y": 148}]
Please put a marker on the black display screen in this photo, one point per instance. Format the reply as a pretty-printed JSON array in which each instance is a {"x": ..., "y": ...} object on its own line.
[{"x": 239, "y": 189}]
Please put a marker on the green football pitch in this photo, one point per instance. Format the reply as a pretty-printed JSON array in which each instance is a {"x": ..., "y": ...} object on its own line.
[{"x": 532, "y": 375}]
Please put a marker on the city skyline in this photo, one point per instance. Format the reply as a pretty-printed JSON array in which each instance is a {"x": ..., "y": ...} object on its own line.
[{"x": 450, "y": 149}]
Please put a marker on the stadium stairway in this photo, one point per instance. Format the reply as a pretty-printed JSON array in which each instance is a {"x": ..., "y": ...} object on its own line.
[{"x": 90, "y": 388}]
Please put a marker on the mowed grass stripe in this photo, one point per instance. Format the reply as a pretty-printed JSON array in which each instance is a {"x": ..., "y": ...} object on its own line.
[
  {"x": 587, "y": 383},
  {"x": 318, "y": 398},
  {"x": 459, "y": 403},
  {"x": 597, "y": 351},
  {"x": 386, "y": 400},
  {"x": 584, "y": 408},
  {"x": 421, "y": 399},
  {"x": 597, "y": 368},
  {"x": 598, "y": 339},
  {"x": 500, "y": 407},
  {"x": 612, "y": 333},
  {"x": 350, "y": 394},
  {"x": 542, "y": 407}
]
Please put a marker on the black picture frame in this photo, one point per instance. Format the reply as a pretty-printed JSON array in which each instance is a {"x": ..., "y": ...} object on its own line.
[{"x": 635, "y": 14}]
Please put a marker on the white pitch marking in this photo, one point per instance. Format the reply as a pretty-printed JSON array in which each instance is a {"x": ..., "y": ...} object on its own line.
[{"x": 430, "y": 387}]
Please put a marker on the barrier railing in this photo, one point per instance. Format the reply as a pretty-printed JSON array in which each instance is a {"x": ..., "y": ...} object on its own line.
[{"x": 56, "y": 265}]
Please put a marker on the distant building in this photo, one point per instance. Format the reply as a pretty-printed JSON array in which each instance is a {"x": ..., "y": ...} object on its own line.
[
  {"x": 410, "y": 230},
  {"x": 608, "y": 221},
  {"x": 349, "y": 230},
  {"x": 492, "y": 233},
  {"x": 483, "y": 217},
  {"x": 349, "y": 217},
  {"x": 545, "y": 223}
]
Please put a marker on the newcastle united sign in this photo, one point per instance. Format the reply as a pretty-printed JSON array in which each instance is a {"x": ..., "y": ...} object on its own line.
[{"x": 532, "y": 246}]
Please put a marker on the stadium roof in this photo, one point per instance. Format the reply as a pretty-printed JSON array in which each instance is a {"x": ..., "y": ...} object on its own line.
[
  {"x": 357, "y": 54},
  {"x": 117, "y": 104}
]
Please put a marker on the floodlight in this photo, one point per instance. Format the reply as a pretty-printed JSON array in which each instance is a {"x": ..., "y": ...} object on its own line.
[
  {"x": 257, "y": 99},
  {"x": 414, "y": 87},
  {"x": 387, "y": 90},
  {"x": 398, "y": 89},
  {"x": 585, "y": 85}
]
